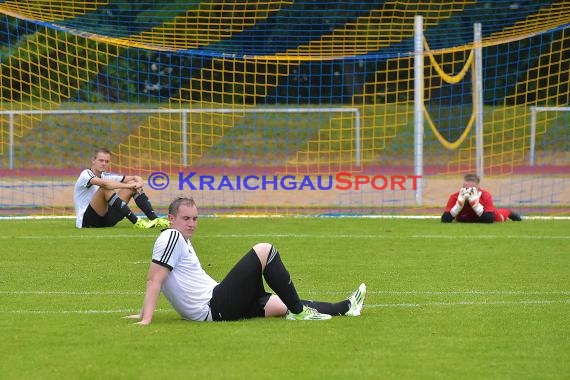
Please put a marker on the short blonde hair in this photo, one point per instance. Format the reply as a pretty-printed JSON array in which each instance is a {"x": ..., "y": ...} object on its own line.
[
  {"x": 101, "y": 150},
  {"x": 471, "y": 178},
  {"x": 175, "y": 205}
]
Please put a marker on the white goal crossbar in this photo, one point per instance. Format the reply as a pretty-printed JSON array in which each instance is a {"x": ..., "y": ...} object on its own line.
[{"x": 184, "y": 120}]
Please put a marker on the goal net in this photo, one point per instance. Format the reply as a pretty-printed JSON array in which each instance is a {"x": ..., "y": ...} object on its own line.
[{"x": 283, "y": 107}]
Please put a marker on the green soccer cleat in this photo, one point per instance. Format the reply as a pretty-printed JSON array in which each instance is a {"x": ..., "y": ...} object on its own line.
[
  {"x": 307, "y": 314},
  {"x": 145, "y": 224},
  {"x": 356, "y": 300},
  {"x": 162, "y": 223}
]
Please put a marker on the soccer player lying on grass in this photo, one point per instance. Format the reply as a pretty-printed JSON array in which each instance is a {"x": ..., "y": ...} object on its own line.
[
  {"x": 101, "y": 198},
  {"x": 176, "y": 270},
  {"x": 472, "y": 204}
]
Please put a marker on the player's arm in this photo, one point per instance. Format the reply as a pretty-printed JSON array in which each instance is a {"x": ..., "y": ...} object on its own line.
[
  {"x": 133, "y": 178},
  {"x": 487, "y": 217},
  {"x": 165, "y": 254},
  {"x": 446, "y": 217},
  {"x": 454, "y": 205},
  {"x": 109, "y": 184},
  {"x": 486, "y": 213},
  {"x": 156, "y": 276}
]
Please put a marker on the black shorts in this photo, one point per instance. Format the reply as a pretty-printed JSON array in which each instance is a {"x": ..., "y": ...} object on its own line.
[
  {"x": 92, "y": 219},
  {"x": 241, "y": 293}
]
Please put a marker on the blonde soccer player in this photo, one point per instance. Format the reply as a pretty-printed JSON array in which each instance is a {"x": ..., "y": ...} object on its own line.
[{"x": 175, "y": 270}]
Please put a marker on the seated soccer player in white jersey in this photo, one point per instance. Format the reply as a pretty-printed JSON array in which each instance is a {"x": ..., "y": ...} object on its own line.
[
  {"x": 101, "y": 198},
  {"x": 175, "y": 270}
]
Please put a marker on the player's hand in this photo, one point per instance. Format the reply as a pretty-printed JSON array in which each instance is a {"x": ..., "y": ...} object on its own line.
[
  {"x": 474, "y": 195},
  {"x": 461, "y": 198},
  {"x": 463, "y": 195},
  {"x": 137, "y": 316}
]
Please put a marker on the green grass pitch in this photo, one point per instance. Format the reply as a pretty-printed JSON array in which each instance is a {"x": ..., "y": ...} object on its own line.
[{"x": 445, "y": 301}]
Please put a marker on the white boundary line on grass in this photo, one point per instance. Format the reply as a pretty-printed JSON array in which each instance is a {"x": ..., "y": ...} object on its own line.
[
  {"x": 297, "y": 236},
  {"x": 371, "y": 306},
  {"x": 381, "y": 292},
  {"x": 535, "y": 302},
  {"x": 471, "y": 303},
  {"x": 258, "y": 216}
]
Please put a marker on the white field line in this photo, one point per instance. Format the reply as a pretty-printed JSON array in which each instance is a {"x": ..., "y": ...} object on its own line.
[
  {"x": 266, "y": 216},
  {"x": 454, "y": 292},
  {"x": 462, "y": 302},
  {"x": 371, "y": 306},
  {"x": 379, "y": 292},
  {"x": 471, "y": 303},
  {"x": 294, "y": 235}
]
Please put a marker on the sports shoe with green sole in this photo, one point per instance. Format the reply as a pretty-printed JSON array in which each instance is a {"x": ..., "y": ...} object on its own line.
[
  {"x": 145, "y": 224},
  {"x": 356, "y": 300},
  {"x": 307, "y": 314},
  {"x": 162, "y": 223}
]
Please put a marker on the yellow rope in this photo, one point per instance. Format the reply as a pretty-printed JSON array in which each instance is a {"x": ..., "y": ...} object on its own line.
[
  {"x": 450, "y": 79},
  {"x": 446, "y": 77},
  {"x": 442, "y": 140}
]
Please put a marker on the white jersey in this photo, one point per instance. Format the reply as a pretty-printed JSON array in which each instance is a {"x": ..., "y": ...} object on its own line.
[
  {"x": 188, "y": 287},
  {"x": 84, "y": 191}
]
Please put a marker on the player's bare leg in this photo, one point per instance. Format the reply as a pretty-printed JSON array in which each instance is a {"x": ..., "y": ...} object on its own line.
[
  {"x": 275, "y": 307},
  {"x": 279, "y": 279},
  {"x": 99, "y": 203}
]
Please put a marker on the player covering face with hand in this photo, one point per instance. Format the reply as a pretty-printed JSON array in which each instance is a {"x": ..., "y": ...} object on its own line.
[
  {"x": 472, "y": 204},
  {"x": 176, "y": 271}
]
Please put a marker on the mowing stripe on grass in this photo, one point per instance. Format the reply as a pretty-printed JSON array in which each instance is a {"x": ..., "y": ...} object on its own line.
[
  {"x": 490, "y": 237},
  {"x": 70, "y": 293},
  {"x": 115, "y": 311}
]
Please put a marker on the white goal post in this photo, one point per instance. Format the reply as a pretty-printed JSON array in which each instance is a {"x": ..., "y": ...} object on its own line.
[
  {"x": 533, "y": 112},
  {"x": 419, "y": 88},
  {"x": 184, "y": 121}
]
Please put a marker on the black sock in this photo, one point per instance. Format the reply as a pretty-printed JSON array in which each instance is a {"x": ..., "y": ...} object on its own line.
[
  {"x": 279, "y": 279},
  {"x": 144, "y": 204},
  {"x": 338, "y": 308},
  {"x": 118, "y": 204}
]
